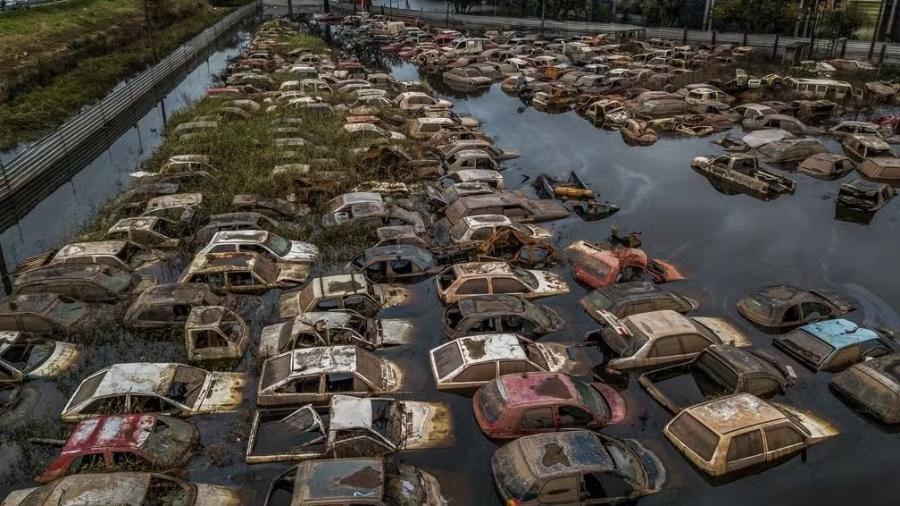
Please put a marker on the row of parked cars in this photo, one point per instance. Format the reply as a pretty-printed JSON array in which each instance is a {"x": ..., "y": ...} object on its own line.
[
  {"x": 648, "y": 88},
  {"x": 325, "y": 396}
]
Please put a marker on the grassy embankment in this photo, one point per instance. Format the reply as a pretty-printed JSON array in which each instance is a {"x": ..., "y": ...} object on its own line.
[{"x": 61, "y": 57}]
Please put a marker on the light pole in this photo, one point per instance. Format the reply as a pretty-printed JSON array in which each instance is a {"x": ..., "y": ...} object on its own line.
[
  {"x": 877, "y": 28},
  {"x": 542, "y": 18}
]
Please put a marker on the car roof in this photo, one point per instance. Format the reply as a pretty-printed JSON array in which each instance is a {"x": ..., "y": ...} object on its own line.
[
  {"x": 138, "y": 223},
  {"x": 239, "y": 236},
  {"x": 340, "y": 284},
  {"x": 887, "y": 367},
  {"x": 667, "y": 322},
  {"x": 325, "y": 359},
  {"x": 79, "y": 249},
  {"x": 735, "y": 412},
  {"x": 339, "y": 479},
  {"x": 487, "y": 347},
  {"x": 349, "y": 412},
  {"x": 474, "y": 269},
  {"x": 139, "y": 377},
  {"x": 537, "y": 388},
  {"x": 564, "y": 453},
  {"x": 840, "y": 333},
  {"x": 487, "y": 219},
  {"x": 121, "y": 431},
  {"x": 491, "y": 304}
]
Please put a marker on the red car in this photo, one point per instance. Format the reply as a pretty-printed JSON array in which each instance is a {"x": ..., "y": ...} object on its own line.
[
  {"x": 598, "y": 265},
  {"x": 124, "y": 443},
  {"x": 516, "y": 405}
]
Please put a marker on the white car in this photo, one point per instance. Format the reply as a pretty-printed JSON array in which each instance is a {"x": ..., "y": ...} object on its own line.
[
  {"x": 415, "y": 100},
  {"x": 371, "y": 128},
  {"x": 482, "y": 226},
  {"x": 262, "y": 242},
  {"x": 483, "y": 278}
]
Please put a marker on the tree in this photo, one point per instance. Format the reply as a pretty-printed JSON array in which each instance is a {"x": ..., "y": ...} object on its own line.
[
  {"x": 756, "y": 16},
  {"x": 844, "y": 22},
  {"x": 662, "y": 12}
]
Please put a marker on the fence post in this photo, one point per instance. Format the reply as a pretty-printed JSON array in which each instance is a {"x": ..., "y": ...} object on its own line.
[
  {"x": 684, "y": 36},
  {"x": 714, "y": 38},
  {"x": 843, "y": 48},
  {"x": 775, "y": 46},
  {"x": 745, "y": 39},
  {"x": 881, "y": 58},
  {"x": 4, "y": 274}
]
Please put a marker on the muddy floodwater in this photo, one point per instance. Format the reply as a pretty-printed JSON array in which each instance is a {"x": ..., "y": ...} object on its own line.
[{"x": 727, "y": 245}]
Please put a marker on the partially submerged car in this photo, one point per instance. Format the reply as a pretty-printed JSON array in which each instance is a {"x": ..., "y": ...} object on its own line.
[
  {"x": 743, "y": 431},
  {"x": 268, "y": 244},
  {"x": 575, "y": 467},
  {"x": 25, "y": 357},
  {"x": 395, "y": 263},
  {"x": 483, "y": 226},
  {"x": 45, "y": 313},
  {"x": 482, "y": 278},
  {"x": 864, "y": 196},
  {"x": 215, "y": 333},
  {"x": 243, "y": 272},
  {"x": 342, "y": 291},
  {"x": 833, "y": 345},
  {"x": 469, "y": 362},
  {"x": 786, "y": 306},
  {"x": 634, "y": 297},
  {"x": 314, "y": 375},
  {"x": 237, "y": 221},
  {"x": 743, "y": 171},
  {"x": 873, "y": 386},
  {"x": 362, "y": 481},
  {"x": 718, "y": 370},
  {"x": 329, "y": 328},
  {"x": 168, "y": 305},
  {"x": 141, "y": 442},
  {"x": 123, "y": 488},
  {"x": 515, "y": 405},
  {"x": 508, "y": 203},
  {"x": 149, "y": 231},
  {"x": 85, "y": 282},
  {"x": 827, "y": 165},
  {"x": 368, "y": 209},
  {"x": 657, "y": 338},
  {"x": 350, "y": 427},
  {"x": 147, "y": 387},
  {"x": 500, "y": 313},
  {"x": 124, "y": 255},
  {"x": 880, "y": 168},
  {"x": 597, "y": 264}
]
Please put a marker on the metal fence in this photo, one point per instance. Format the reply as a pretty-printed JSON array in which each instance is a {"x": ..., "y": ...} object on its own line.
[
  {"x": 46, "y": 164},
  {"x": 8, "y": 5},
  {"x": 774, "y": 44}
]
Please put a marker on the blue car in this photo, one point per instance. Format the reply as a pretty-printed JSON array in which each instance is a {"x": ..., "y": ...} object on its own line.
[{"x": 833, "y": 345}]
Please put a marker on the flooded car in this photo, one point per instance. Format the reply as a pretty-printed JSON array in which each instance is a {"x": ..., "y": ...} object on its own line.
[
  {"x": 314, "y": 375},
  {"x": 25, "y": 357},
  {"x": 864, "y": 196},
  {"x": 873, "y": 387},
  {"x": 597, "y": 264},
  {"x": 469, "y": 362},
  {"x": 243, "y": 272},
  {"x": 659, "y": 338},
  {"x": 482, "y": 227},
  {"x": 481, "y": 314},
  {"x": 236, "y": 221},
  {"x": 215, "y": 333},
  {"x": 634, "y": 297},
  {"x": 395, "y": 263},
  {"x": 742, "y": 431},
  {"x": 124, "y": 442},
  {"x": 482, "y": 278},
  {"x": 44, "y": 313},
  {"x": 350, "y": 427},
  {"x": 123, "y": 488},
  {"x": 743, "y": 171},
  {"x": 268, "y": 244},
  {"x": 343, "y": 291},
  {"x": 168, "y": 305},
  {"x": 150, "y": 232},
  {"x": 515, "y": 405},
  {"x": 88, "y": 283},
  {"x": 719, "y": 370},
  {"x": 827, "y": 165},
  {"x": 508, "y": 203},
  {"x": 575, "y": 467},
  {"x": 833, "y": 345},
  {"x": 786, "y": 306},
  {"x": 123, "y": 255},
  {"x": 327, "y": 328},
  {"x": 146, "y": 387},
  {"x": 336, "y": 482}
]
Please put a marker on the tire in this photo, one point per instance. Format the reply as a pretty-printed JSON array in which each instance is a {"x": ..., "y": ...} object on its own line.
[{"x": 37, "y": 402}]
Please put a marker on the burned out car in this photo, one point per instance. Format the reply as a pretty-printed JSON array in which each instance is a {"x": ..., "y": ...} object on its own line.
[
  {"x": 873, "y": 386},
  {"x": 742, "y": 431},
  {"x": 147, "y": 387},
  {"x": 469, "y": 362},
  {"x": 268, "y": 244},
  {"x": 337, "y": 482},
  {"x": 833, "y": 345},
  {"x": 328, "y": 328},
  {"x": 515, "y": 405},
  {"x": 719, "y": 370},
  {"x": 483, "y": 226},
  {"x": 786, "y": 306},
  {"x": 343, "y": 291},
  {"x": 243, "y": 272},
  {"x": 367, "y": 208},
  {"x": 24, "y": 357},
  {"x": 827, "y": 165},
  {"x": 142, "y": 442},
  {"x": 124, "y": 255},
  {"x": 169, "y": 305},
  {"x": 634, "y": 297},
  {"x": 598, "y": 265},
  {"x": 350, "y": 427},
  {"x": 128, "y": 488},
  {"x": 500, "y": 313},
  {"x": 743, "y": 171},
  {"x": 88, "y": 283},
  {"x": 314, "y": 375},
  {"x": 659, "y": 338},
  {"x": 236, "y": 221},
  {"x": 395, "y": 263},
  {"x": 181, "y": 207},
  {"x": 215, "y": 333},
  {"x": 864, "y": 196},
  {"x": 575, "y": 467},
  {"x": 512, "y": 204},
  {"x": 149, "y": 231},
  {"x": 44, "y": 313},
  {"x": 482, "y": 278}
]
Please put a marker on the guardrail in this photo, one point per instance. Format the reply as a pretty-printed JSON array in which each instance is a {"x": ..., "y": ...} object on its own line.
[
  {"x": 774, "y": 44},
  {"x": 47, "y": 163}
]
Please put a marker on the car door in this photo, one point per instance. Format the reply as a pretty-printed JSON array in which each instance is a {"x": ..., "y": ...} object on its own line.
[
  {"x": 745, "y": 450},
  {"x": 508, "y": 285},
  {"x": 664, "y": 350},
  {"x": 604, "y": 488},
  {"x": 537, "y": 420}
]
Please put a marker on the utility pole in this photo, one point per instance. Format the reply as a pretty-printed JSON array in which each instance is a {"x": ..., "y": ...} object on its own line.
[
  {"x": 877, "y": 28},
  {"x": 799, "y": 19},
  {"x": 890, "y": 26}
]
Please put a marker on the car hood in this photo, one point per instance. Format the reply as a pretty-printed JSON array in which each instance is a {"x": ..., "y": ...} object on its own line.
[
  {"x": 302, "y": 252},
  {"x": 216, "y": 495},
  {"x": 224, "y": 392},
  {"x": 292, "y": 273},
  {"x": 63, "y": 358},
  {"x": 549, "y": 283},
  {"x": 656, "y": 472},
  {"x": 426, "y": 425},
  {"x": 395, "y": 331},
  {"x": 617, "y": 409}
]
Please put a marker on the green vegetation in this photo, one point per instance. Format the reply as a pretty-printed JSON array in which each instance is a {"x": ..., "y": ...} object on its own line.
[{"x": 58, "y": 58}]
